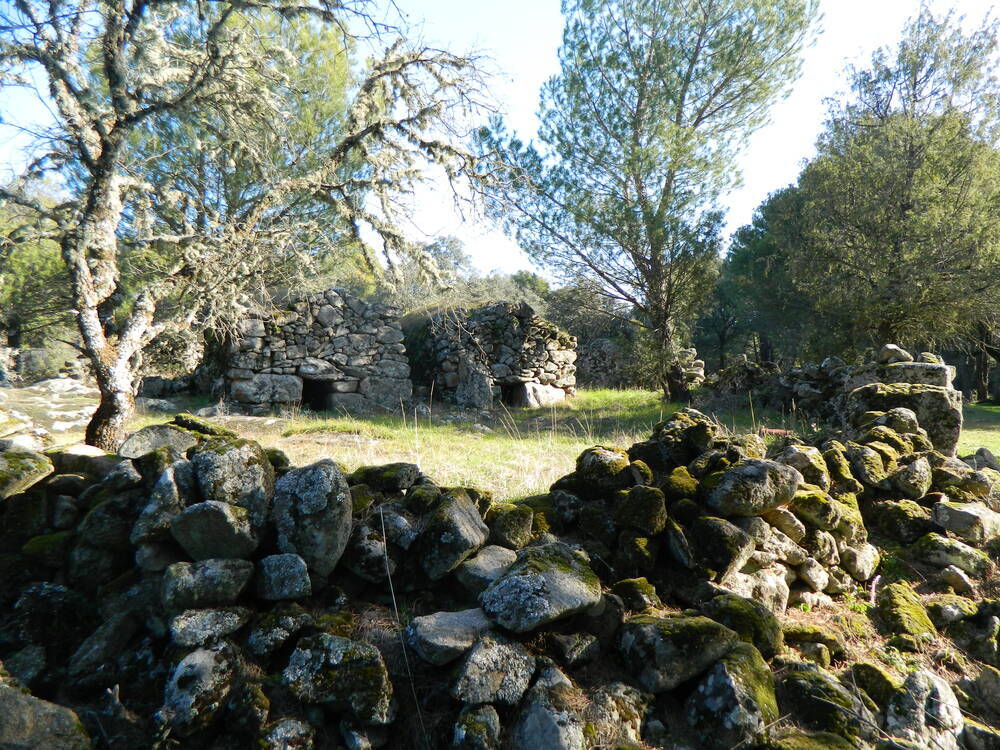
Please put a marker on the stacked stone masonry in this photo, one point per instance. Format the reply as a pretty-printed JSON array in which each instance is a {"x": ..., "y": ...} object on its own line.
[
  {"x": 326, "y": 350},
  {"x": 501, "y": 353}
]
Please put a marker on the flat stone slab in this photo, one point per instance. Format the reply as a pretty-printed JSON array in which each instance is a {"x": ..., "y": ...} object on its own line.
[{"x": 445, "y": 636}]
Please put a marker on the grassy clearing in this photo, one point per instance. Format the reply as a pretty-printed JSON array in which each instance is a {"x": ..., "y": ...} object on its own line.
[{"x": 511, "y": 453}]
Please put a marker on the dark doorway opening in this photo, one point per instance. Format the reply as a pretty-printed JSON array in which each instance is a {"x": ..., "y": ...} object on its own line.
[
  {"x": 314, "y": 394},
  {"x": 512, "y": 394}
]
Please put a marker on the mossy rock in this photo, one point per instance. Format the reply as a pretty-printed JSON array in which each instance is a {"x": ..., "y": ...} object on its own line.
[
  {"x": 816, "y": 701},
  {"x": 900, "y": 610},
  {"x": 720, "y": 547},
  {"x": 816, "y": 508},
  {"x": 364, "y": 497},
  {"x": 279, "y": 459},
  {"x": 510, "y": 524},
  {"x": 544, "y": 515},
  {"x": 596, "y": 522},
  {"x": 679, "y": 485},
  {"x": 202, "y": 426},
  {"x": 841, "y": 478},
  {"x": 642, "y": 509},
  {"x": 901, "y": 444},
  {"x": 750, "y": 620},
  {"x": 24, "y": 515},
  {"x": 419, "y": 499},
  {"x": 941, "y": 551},
  {"x": 946, "y": 609},
  {"x": 49, "y": 550},
  {"x": 903, "y": 520},
  {"x": 154, "y": 463},
  {"x": 797, "y": 632},
  {"x": 685, "y": 511},
  {"x": 603, "y": 468},
  {"x": 637, "y": 594},
  {"x": 636, "y": 554},
  {"x": 20, "y": 469},
  {"x": 877, "y": 683},
  {"x": 396, "y": 477}
]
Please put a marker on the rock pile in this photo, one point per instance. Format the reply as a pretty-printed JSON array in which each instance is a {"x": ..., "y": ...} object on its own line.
[
  {"x": 328, "y": 350},
  {"x": 840, "y": 394},
  {"x": 600, "y": 363},
  {"x": 501, "y": 352},
  {"x": 197, "y": 591}
]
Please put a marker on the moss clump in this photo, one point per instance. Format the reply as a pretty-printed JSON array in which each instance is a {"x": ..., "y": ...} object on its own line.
[
  {"x": 49, "y": 550},
  {"x": 20, "y": 469},
  {"x": 642, "y": 509},
  {"x": 939, "y": 550},
  {"x": 901, "y": 612},
  {"x": 637, "y": 594},
  {"x": 155, "y": 462},
  {"x": 635, "y": 553},
  {"x": 877, "y": 683},
  {"x": 421, "y": 498},
  {"x": 841, "y": 478},
  {"x": 802, "y": 633},
  {"x": 900, "y": 444},
  {"x": 544, "y": 516},
  {"x": 816, "y": 701},
  {"x": 201, "y": 426},
  {"x": 945, "y": 609},
  {"x": 903, "y": 520},
  {"x": 750, "y": 620},
  {"x": 680, "y": 484},
  {"x": 510, "y": 524},
  {"x": 808, "y": 741},
  {"x": 816, "y": 508},
  {"x": 278, "y": 458},
  {"x": 603, "y": 468},
  {"x": 397, "y": 477}
]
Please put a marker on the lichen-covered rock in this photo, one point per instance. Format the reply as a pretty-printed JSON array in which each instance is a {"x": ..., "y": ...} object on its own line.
[
  {"x": 312, "y": 515},
  {"x": 926, "y": 712},
  {"x": 903, "y": 520},
  {"x": 173, "y": 489},
  {"x": 900, "y": 609},
  {"x": 861, "y": 562},
  {"x": 477, "y": 728},
  {"x": 938, "y": 408},
  {"x": 604, "y": 468},
  {"x": 809, "y": 462},
  {"x": 445, "y": 636},
  {"x": 642, "y": 509},
  {"x": 547, "y": 583},
  {"x": 752, "y": 487},
  {"x": 283, "y": 577},
  {"x": 913, "y": 480},
  {"x": 495, "y": 670},
  {"x": 288, "y": 734},
  {"x": 452, "y": 532},
  {"x": 20, "y": 469},
  {"x": 972, "y": 522},
  {"x": 786, "y": 522},
  {"x": 272, "y": 630},
  {"x": 213, "y": 529},
  {"x": 814, "y": 700},
  {"x": 720, "y": 547},
  {"x": 637, "y": 594},
  {"x": 734, "y": 701},
  {"x": 197, "y": 689},
  {"x": 29, "y": 722},
  {"x": 236, "y": 471},
  {"x": 546, "y": 718},
  {"x": 204, "y": 584},
  {"x": 510, "y": 524},
  {"x": 663, "y": 652},
  {"x": 344, "y": 674},
  {"x": 486, "y": 566},
  {"x": 867, "y": 464},
  {"x": 935, "y": 549},
  {"x": 750, "y": 620},
  {"x": 816, "y": 508},
  {"x": 198, "y": 627},
  {"x": 156, "y": 436}
]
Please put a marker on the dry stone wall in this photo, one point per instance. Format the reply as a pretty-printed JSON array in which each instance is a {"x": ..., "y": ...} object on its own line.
[
  {"x": 501, "y": 352},
  {"x": 326, "y": 350}
]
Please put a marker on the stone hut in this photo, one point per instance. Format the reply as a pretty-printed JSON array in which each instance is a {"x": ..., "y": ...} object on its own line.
[
  {"x": 326, "y": 350},
  {"x": 501, "y": 353}
]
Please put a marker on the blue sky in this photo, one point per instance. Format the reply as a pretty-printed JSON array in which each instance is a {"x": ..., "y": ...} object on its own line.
[{"x": 521, "y": 39}]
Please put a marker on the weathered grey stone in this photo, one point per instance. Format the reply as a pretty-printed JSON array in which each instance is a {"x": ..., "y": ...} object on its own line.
[
  {"x": 734, "y": 703},
  {"x": 288, "y": 734},
  {"x": 860, "y": 562},
  {"x": 486, "y": 566},
  {"x": 913, "y": 480},
  {"x": 452, "y": 532},
  {"x": 891, "y": 353},
  {"x": 171, "y": 492},
  {"x": 546, "y": 583},
  {"x": 28, "y": 722},
  {"x": 941, "y": 551},
  {"x": 197, "y": 689},
  {"x": 281, "y": 577},
  {"x": 972, "y": 522},
  {"x": 198, "y": 627},
  {"x": 809, "y": 462},
  {"x": 236, "y": 471},
  {"x": 347, "y": 675},
  {"x": 938, "y": 408},
  {"x": 752, "y": 487},
  {"x": 312, "y": 514},
  {"x": 20, "y": 469},
  {"x": 204, "y": 584},
  {"x": 156, "y": 436},
  {"x": 214, "y": 529},
  {"x": 445, "y": 636},
  {"x": 477, "y": 728},
  {"x": 495, "y": 670},
  {"x": 925, "y": 711},
  {"x": 663, "y": 652},
  {"x": 547, "y": 721},
  {"x": 104, "y": 644},
  {"x": 537, "y": 396},
  {"x": 267, "y": 389}
]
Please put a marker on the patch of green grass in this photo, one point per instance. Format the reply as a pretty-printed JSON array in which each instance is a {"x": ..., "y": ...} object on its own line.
[
  {"x": 339, "y": 426},
  {"x": 981, "y": 429}
]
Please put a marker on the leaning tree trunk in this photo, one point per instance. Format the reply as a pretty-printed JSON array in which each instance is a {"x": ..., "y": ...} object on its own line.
[{"x": 109, "y": 424}]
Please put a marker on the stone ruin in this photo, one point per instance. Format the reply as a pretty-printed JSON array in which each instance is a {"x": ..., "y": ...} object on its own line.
[
  {"x": 839, "y": 394},
  {"x": 500, "y": 353},
  {"x": 327, "y": 351},
  {"x": 197, "y": 591}
]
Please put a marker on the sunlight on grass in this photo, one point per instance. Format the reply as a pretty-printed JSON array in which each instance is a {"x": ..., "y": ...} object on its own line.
[{"x": 341, "y": 425}]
